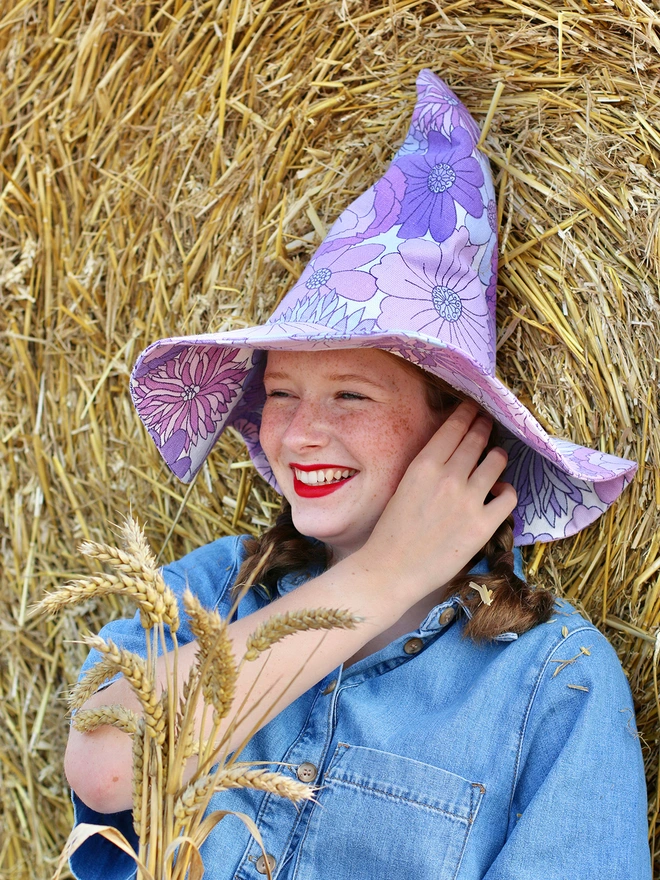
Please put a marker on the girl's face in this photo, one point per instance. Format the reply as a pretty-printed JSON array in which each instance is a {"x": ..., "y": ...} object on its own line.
[{"x": 339, "y": 429}]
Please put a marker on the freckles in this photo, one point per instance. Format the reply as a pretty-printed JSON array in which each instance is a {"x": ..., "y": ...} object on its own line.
[{"x": 392, "y": 443}]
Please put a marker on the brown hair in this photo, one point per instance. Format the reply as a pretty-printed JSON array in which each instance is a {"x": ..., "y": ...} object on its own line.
[{"x": 515, "y": 607}]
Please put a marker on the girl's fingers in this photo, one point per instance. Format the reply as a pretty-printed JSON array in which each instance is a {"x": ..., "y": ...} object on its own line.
[
  {"x": 487, "y": 473},
  {"x": 504, "y": 501},
  {"x": 467, "y": 454},
  {"x": 451, "y": 434}
]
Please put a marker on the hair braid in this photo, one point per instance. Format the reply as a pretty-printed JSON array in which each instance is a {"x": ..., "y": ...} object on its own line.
[{"x": 515, "y": 606}]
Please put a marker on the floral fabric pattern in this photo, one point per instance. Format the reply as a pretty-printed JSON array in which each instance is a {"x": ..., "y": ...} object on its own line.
[
  {"x": 435, "y": 290},
  {"x": 375, "y": 211},
  {"x": 435, "y": 180},
  {"x": 187, "y": 395},
  {"x": 438, "y": 108},
  {"x": 337, "y": 271},
  {"x": 328, "y": 311}
]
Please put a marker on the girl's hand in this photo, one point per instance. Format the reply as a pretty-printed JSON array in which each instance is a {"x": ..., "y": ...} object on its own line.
[{"x": 438, "y": 518}]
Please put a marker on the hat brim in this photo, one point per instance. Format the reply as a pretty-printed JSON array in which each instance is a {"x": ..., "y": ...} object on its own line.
[{"x": 187, "y": 390}]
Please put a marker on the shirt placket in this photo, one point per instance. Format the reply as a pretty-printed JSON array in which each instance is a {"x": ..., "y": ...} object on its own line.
[{"x": 278, "y": 821}]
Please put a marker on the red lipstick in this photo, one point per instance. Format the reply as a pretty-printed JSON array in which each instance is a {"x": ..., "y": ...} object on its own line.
[{"x": 320, "y": 489}]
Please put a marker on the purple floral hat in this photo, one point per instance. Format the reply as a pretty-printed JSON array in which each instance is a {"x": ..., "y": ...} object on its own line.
[{"x": 409, "y": 267}]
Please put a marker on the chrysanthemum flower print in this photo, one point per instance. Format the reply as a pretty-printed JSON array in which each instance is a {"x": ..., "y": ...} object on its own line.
[
  {"x": 545, "y": 493},
  {"x": 435, "y": 290},
  {"x": 447, "y": 173},
  {"x": 189, "y": 394},
  {"x": 329, "y": 311}
]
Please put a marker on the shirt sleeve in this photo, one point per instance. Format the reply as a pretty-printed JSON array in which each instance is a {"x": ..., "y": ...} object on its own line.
[
  {"x": 210, "y": 572},
  {"x": 578, "y": 806}
]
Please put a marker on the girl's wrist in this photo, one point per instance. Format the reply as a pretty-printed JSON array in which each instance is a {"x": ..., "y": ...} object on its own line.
[{"x": 373, "y": 589}]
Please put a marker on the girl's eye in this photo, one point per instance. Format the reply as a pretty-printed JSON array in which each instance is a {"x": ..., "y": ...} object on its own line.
[
  {"x": 350, "y": 395},
  {"x": 277, "y": 393}
]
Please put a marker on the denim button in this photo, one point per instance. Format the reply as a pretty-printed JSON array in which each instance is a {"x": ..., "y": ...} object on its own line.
[
  {"x": 413, "y": 646},
  {"x": 447, "y": 616},
  {"x": 306, "y": 772},
  {"x": 329, "y": 688},
  {"x": 261, "y": 863}
]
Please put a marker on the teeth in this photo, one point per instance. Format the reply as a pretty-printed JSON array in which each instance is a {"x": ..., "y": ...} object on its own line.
[{"x": 328, "y": 475}]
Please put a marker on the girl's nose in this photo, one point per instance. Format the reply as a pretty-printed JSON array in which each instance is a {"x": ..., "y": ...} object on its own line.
[{"x": 306, "y": 428}]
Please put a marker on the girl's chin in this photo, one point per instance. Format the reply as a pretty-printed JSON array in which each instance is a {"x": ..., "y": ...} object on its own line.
[{"x": 341, "y": 542}]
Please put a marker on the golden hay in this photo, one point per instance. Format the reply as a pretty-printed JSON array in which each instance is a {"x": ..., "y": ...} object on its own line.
[{"x": 168, "y": 168}]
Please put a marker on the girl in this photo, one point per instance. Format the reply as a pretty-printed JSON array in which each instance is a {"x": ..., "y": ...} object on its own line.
[{"x": 469, "y": 728}]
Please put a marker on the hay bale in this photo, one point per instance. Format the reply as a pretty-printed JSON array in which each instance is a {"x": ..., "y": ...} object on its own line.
[{"x": 168, "y": 168}]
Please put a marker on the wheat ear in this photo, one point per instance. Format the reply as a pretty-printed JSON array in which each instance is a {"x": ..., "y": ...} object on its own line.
[
  {"x": 279, "y": 626},
  {"x": 136, "y": 544},
  {"x": 216, "y": 655},
  {"x": 156, "y": 604},
  {"x": 134, "y": 670},
  {"x": 188, "y": 744},
  {"x": 138, "y": 774},
  {"x": 240, "y": 777},
  {"x": 117, "y": 716},
  {"x": 141, "y": 566},
  {"x": 97, "y": 675}
]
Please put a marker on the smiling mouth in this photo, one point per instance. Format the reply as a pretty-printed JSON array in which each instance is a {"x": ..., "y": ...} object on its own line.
[
  {"x": 323, "y": 476},
  {"x": 315, "y": 482}
]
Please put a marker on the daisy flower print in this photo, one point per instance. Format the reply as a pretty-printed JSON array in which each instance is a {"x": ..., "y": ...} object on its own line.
[
  {"x": 435, "y": 290},
  {"x": 435, "y": 181}
]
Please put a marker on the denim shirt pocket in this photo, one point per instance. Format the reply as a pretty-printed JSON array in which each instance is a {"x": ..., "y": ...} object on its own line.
[{"x": 380, "y": 816}]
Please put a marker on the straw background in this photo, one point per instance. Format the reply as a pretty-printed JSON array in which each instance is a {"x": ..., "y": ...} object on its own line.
[{"x": 168, "y": 168}]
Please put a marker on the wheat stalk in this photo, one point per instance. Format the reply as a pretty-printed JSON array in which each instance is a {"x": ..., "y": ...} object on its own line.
[
  {"x": 156, "y": 602},
  {"x": 138, "y": 563},
  {"x": 216, "y": 655},
  {"x": 138, "y": 774},
  {"x": 279, "y": 626},
  {"x": 91, "y": 682},
  {"x": 164, "y": 736},
  {"x": 136, "y": 544},
  {"x": 239, "y": 777},
  {"x": 187, "y": 745},
  {"x": 120, "y": 559}
]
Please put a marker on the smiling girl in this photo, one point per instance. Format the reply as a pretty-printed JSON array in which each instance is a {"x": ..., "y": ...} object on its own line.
[{"x": 471, "y": 727}]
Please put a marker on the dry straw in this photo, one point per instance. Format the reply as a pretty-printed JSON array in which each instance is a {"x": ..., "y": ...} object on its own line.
[{"x": 168, "y": 168}]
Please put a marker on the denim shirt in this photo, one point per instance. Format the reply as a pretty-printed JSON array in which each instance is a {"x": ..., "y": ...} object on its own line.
[{"x": 437, "y": 758}]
